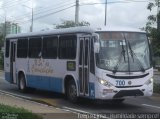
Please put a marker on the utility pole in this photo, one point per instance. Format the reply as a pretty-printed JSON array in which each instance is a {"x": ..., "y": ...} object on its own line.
[
  {"x": 31, "y": 27},
  {"x": 105, "y": 21},
  {"x": 77, "y": 13},
  {"x": 32, "y": 20},
  {"x": 158, "y": 17},
  {"x": 5, "y": 27}
]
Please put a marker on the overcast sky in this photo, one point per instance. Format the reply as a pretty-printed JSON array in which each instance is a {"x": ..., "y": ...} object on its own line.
[{"x": 47, "y": 12}]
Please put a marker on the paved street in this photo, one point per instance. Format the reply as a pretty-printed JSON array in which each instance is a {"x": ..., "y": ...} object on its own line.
[{"x": 139, "y": 105}]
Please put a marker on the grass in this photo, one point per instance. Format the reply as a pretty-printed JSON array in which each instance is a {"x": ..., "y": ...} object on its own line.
[
  {"x": 8, "y": 112},
  {"x": 156, "y": 88}
]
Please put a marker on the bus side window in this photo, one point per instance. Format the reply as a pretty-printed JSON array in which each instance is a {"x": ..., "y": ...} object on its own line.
[
  {"x": 67, "y": 47},
  {"x": 50, "y": 45},
  {"x": 22, "y": 48},
  {"x": 92, "y": 60},
  {"x": 7, "y": 48},
  {"x": 35, "y": 45}
]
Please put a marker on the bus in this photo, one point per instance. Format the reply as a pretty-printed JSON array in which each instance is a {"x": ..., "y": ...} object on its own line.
[{"x": 107, "y": 63}]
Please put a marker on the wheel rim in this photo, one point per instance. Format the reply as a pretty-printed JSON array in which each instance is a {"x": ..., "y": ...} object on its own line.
[{"x": 72, "y": 92}]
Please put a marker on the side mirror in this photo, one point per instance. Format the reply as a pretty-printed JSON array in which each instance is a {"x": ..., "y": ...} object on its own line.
[{"x": 96, "y": 47}]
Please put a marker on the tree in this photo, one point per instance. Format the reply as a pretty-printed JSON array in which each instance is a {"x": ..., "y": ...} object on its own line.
[
  {"x": 152, "y": 31},
  {"x": 1, "y": 41},
  {"x": 70, "y": 23},
  {"x": 1, "y": 52}
]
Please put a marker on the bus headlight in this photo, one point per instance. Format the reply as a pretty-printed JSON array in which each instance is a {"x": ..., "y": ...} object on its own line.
[
  {"x": 149, "y": 81},
  {"x": 104, "y": 82}
]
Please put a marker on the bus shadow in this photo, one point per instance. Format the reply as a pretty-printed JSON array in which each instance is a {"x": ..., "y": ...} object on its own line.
[
  {"x": 46, "y": 94},
  {"x": 107, "y": 105},
  {"x": 82, "y": 103}
]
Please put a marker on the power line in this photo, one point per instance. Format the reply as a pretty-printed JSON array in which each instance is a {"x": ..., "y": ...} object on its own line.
[
  {"x": 58, "y": 4},
  {"x": 47, "y": 11},
  {"x": 56, "y": 7},
  {"x": 82, "y": 4},
  {"x": 92, "y": 4},
  {"x": 13, "y": 4},
  {"x": 18, "y": 18},
  {"x": 46, "y": 15}
]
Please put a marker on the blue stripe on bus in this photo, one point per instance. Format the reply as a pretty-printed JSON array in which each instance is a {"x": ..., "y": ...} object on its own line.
[
  {"x": 45, "y": 83},
  {"x": 49, "y": 83},
  {"x": 91, "y": 90},
  {"x": 8, "y": 77}
]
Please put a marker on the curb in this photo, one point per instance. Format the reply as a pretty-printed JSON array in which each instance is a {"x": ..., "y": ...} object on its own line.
[
  {"x": 26, "y": 98},
  {"x": 41, "y": 102},
  {"x": 157, "y": 73},
  {"x": 156, "y": 94}
]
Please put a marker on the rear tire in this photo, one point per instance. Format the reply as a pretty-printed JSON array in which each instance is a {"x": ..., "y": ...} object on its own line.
[
  {"x": 22, "y": 83},
  {"x": 72, "y": 91}
]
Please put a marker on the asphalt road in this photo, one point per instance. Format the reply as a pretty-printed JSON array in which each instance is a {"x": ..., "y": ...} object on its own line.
[{"x": 132, "y": 105}]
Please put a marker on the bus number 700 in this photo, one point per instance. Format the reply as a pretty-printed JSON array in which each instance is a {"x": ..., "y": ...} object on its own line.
[{"x": 120, "y": 82}]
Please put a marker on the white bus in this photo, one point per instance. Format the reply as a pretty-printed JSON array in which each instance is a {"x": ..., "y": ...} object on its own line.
[{"x": 108, "y": 63}]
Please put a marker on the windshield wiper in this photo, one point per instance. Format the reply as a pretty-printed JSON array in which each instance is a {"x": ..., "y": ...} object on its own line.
[
  {"x": 120, "y": 58},
  {"x": 133, "y": 54}
]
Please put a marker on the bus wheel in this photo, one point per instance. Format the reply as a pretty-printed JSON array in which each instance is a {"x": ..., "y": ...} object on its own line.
[
  {"x": 72, "y": 91},
  {"x": 22, "y": 83}
]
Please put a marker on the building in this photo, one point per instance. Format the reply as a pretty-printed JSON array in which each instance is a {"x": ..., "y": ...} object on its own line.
[{"x": 11, "y": 28}]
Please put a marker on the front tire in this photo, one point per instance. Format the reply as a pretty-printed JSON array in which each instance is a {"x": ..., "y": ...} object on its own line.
[
  {"x": 72, "y": 91},
  {"x": 22, "y": 83}
]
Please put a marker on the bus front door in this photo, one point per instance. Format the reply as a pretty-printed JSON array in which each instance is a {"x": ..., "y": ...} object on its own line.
[
  {"x": 84, "y": 66},
  {"x": 12, "y": 62}
]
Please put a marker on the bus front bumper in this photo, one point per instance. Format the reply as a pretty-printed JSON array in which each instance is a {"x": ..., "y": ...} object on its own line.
[{"x": 118, "y": 93}]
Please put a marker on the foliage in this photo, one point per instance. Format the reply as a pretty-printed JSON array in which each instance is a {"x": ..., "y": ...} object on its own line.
[
  {"x": 151, "y": 30},
  {"x": 1, "y": 60},
  {"x": 1, "y": 40},
  {"x": 1, "y": 53},
  {"x": 70, "y": 23},
  {"x": 156, "y": 88},
  {"x": 16, "y": 113}
]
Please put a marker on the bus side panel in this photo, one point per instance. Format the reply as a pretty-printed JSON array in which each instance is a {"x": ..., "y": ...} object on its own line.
[
  {"x": 46, "y": 74},
  {"x": 45, "y": 83}
]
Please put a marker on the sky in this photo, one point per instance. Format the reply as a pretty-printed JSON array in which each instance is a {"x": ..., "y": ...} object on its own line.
[{"x": 48, "y": 13}]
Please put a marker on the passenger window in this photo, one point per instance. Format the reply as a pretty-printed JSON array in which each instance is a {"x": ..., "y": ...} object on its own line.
[
  {"x": 22, "y": 48},
  {"x": 35, "y": 47},
  {"x": 67, "y": 47},
  {"x": 50, "y": 45}
]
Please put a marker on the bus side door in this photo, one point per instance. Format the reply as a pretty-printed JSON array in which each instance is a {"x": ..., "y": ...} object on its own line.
[
  {"x": 84, "y": 65},
  {"x": 13, "y": 45}
]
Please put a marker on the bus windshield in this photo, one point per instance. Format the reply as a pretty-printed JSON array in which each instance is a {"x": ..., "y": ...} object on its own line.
[{"x": 123, "y": 52}]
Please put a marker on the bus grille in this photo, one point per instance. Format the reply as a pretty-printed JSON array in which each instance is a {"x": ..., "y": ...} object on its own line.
[
  {"x": 127, "y": 77},
  {"x": 124, "y": 93},
  {"x": 128, "y": 86}
]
